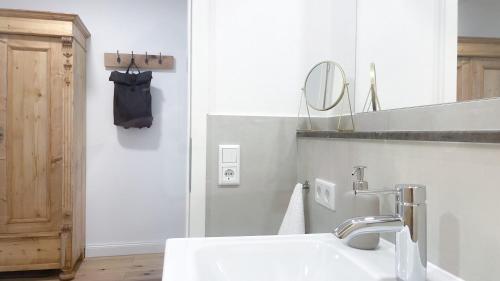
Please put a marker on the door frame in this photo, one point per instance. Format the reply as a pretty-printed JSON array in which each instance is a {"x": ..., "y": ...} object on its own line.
[{"x": 199, "y": 104}]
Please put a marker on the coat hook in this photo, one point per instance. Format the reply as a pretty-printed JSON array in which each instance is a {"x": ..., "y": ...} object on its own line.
[
  {"x": 159, "y": 60},
  {"x": 147, "y": 61},
  {"x": 118, "y": 59}
]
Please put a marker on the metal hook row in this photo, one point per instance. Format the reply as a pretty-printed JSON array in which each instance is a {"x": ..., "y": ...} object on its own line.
[{"x": 118, "y": 59}]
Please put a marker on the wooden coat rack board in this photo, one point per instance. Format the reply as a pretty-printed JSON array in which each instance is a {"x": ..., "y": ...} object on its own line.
[{"x": 143, "y": 61}]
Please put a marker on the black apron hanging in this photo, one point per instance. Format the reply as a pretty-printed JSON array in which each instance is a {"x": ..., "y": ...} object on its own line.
[{"x": 132, "y": 98}]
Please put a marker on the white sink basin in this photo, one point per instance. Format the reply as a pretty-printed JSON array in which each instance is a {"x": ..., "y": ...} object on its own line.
[{"x": 310, "y": 257}]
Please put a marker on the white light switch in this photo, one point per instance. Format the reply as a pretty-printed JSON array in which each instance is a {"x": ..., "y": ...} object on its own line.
[
  {"x": 229, "y": 155},
  {"x": 229, "y": 165}
]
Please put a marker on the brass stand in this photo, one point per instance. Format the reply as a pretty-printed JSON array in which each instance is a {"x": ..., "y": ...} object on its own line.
[{"x": 339, "y": 124}]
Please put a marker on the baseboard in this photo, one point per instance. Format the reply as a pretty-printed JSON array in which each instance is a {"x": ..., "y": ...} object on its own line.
[{"x": 122, "y": 249}]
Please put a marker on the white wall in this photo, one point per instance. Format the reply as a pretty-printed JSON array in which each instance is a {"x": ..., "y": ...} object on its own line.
[
  {"x": 413, "y": 44},
  {"x": 251, "y": 58},
  {"x": 136, "y": 179},
  {"x": 479, "y": 18},
  {"x": 263, "y": 50}
]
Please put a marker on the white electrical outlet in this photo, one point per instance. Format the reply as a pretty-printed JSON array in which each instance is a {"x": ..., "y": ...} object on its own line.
[{"x": 324, "y": 193}]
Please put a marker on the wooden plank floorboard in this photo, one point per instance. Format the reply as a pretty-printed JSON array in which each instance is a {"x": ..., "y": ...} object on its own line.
[{"x": 120, "y": 268}]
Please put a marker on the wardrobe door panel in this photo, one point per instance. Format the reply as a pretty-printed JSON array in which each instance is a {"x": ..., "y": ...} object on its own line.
[
  {"x": 486, "y": 77},
  {"x": 32, "y": 188}
]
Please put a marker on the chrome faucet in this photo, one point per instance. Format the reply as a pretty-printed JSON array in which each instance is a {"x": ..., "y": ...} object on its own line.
[{"x": 409, "y": 223}]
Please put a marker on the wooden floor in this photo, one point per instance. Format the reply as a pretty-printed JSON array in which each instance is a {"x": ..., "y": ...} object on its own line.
[{"x": 120, "y": 268}]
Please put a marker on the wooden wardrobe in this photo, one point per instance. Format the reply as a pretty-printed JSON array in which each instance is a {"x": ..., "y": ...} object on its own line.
[
  {"x": 42, "y": 145},
  {"x": 478, "y": 68}
]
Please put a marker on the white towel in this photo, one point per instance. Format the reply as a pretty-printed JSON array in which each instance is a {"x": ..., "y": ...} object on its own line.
[{"x": 293, "y": 222}]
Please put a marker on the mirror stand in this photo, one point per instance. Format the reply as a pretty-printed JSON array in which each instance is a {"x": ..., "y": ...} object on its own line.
[
  {"x": 339, "y": 124},
  {"x": 372, "y": 97},
  {"x": 303, "y": 96}
]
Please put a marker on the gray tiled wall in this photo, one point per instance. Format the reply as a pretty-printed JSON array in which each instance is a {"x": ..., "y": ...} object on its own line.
[{"x": 268, "y": 174}]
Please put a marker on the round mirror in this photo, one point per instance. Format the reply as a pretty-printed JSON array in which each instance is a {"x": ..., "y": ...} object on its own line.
[{"x": 324, "y": 85}]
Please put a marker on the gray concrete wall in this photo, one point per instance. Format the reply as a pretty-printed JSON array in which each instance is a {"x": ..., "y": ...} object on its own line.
[{"x": 268, "y": 174}]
